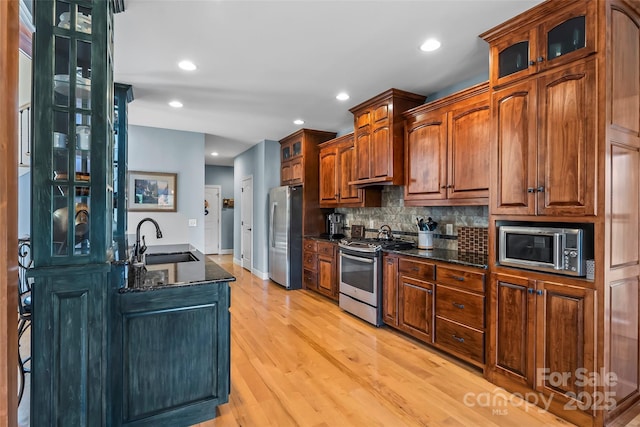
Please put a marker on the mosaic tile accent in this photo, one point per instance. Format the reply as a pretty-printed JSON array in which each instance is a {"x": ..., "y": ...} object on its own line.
[
  {"x": 473, "y": 239},
  {"x": 402, "y": 220}
]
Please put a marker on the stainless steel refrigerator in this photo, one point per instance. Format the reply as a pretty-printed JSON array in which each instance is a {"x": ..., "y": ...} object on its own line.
[{"x": 285, "y": 236}]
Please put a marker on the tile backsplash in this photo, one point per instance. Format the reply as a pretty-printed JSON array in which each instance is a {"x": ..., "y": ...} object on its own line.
[{"x": 402, "y": 220}]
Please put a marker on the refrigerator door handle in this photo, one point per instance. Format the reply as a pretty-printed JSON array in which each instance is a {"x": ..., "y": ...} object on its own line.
[{"x": 273, "y": 211}]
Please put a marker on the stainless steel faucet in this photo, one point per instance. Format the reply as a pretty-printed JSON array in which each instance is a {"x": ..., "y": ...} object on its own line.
[{"x": 139, "y": 249}]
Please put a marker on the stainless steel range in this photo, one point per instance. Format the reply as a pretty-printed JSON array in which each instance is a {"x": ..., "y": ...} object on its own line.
[{"x": 361, "y": 276}]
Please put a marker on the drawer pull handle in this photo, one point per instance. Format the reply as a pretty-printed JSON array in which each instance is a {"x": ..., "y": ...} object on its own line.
[
  {"x": 415, "y": 268},
  {"x": 458, "y": 278},
  {"x": 460, "y": 306},
  {"x": 459, "y": 339}
]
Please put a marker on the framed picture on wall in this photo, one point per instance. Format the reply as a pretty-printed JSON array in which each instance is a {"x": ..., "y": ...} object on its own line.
[{"x": 152, "y": 191}]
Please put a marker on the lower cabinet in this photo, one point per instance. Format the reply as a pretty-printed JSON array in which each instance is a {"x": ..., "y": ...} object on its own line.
[
  {"x": 545, "y": 342},
  {"x": 436, "y": 303},
  {"x": 320, "y": 267}
]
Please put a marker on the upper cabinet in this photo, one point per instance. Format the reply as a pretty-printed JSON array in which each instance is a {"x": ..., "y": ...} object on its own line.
[
  {"x": 299, "y": 155},
  {"x": 379, "y": 138},
  {"x": 337, "y": 170},
  {"x": 544, "y": 40},
  {"x": 447, "y": 146},
  {"x": 73, "y": 134}
]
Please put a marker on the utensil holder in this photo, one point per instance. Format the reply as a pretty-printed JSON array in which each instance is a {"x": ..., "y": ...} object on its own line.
[{"x": 425, "y": 239}]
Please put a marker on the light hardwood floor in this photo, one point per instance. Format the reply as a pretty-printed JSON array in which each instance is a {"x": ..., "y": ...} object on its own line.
[{"x": 297, "y": 359}]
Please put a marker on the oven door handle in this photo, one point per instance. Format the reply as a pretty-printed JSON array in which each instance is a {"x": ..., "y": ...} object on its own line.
[{"x": 357, "y": 258}]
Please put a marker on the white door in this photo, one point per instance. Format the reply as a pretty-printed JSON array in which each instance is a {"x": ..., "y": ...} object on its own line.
[
  {"x": 212, "y": 212},
  {"x": 246, "y": 216}
]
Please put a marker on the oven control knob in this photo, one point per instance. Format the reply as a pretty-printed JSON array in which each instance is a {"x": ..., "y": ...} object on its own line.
[{"x": 573, "y": 254}]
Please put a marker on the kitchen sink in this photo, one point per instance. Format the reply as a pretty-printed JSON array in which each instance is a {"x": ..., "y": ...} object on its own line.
[{"x": 152, "y": 259}]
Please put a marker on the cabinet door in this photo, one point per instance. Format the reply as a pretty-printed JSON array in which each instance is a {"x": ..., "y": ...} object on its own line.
[
  {"x": 285, "y": 152},
  {"x": 565, "y": 340},
  {"x": 390, "y": 291},
  {"x": 426, "y": 157},
  {"x": 513, "y": 303},
  {"x": 285, "y": 173},
  {"x": 567, "y": 35},
  {"x": 381, "y": 140},
  {"x": 468, "y": 151},
  {"x": 513, "y": 56},
  {"x": 297, "y": 171},
  {"x": 415, "y": 300},
  {"x": 347, "y": 173},
  {"x": 327, "y": 276},
  {"x": 514, "y": 168},
  {"x": 329, "y": 176},
  {"x": 362, "y": 143},
  {"x": 567, "y": 146}
]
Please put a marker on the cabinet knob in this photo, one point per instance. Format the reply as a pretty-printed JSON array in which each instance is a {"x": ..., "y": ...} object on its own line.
[
  {"x": 541, "y": 189},
  {"x": 540, "y": 58},
  {"x": 539, "y": 292},
  {"x": 531, "y": 190},
  {"x": 443, "y": 187},
  {"x": 530, "y": 290},
  {"x": 532, "y": 62},
  {"x": 450, "y": 186},
  {"x": 460, "y": 306},
  {"x": 458, "y": 278},
  {"x": 429, "y": 291}
]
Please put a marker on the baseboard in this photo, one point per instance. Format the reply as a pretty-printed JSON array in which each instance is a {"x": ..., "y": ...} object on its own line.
[
  {"x": 226, "y": 251},
  {"x": 259, "y": 274}
]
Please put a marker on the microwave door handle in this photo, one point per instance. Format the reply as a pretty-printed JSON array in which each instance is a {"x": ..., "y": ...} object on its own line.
[{"x": 559, "y": 244}]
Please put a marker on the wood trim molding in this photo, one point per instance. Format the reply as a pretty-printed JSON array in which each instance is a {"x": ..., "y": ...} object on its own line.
[
  {"x": 26, "y": 40},
  {"x": 9, "y": 29}
]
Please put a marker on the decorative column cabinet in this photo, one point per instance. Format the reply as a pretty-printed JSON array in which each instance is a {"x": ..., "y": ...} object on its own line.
[
  {"x": 72, "y": 202},
  {"x": 123, "y": 95},
  {"x": 565, "y": 105}
]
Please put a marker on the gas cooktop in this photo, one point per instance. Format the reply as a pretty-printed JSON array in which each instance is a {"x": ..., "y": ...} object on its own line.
[{"x": 374, "y": 245}]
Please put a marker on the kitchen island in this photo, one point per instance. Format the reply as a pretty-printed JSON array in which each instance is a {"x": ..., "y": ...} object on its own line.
[{"x": 170, "y": 341}]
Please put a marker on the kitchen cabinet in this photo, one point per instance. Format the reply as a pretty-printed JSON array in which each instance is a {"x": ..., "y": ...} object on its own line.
[
  {"x": 123, "y": 95},
  {"x": 299, "y": 156},
  {"x": 544, "y": 327},
  {"x": 320, "y": 267},
  {"x": 555, "y": 35},
  {"x": 438, "y": 303},
  {"x": 71, "y": 210},
  {"x": 337, "y": 170},
  {"x": 447, "y": 148},
  {"x": 379, "y": 137},
  {"x": 546, "y": 149}
]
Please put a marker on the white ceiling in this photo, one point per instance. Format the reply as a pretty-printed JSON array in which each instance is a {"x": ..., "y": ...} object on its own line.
[{"x": 262, "y": 64}]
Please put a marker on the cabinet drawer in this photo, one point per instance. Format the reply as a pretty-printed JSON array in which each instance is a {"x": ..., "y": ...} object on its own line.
[
  {"x": 417, "y": 269},
  {"x": 310, "y": 261},
  {"x": 310, "y": 279},
  {"x": 460, "y": 306},
  {"x": 460, "y": 339},
  {"x": 309, "y": 245},
  {"x": 325, "y": 249},
  {"x": 471, "y": 280}
]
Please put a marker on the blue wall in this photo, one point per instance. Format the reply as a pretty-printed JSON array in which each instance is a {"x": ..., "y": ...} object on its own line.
[
  {"x": 261, "y": 161},
  {"x": 458, "y": 86},
  {"x": 223, "y": 176}
]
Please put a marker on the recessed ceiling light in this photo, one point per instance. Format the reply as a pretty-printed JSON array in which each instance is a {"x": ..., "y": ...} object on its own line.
[
  {"x": 187, "y": 65},
  {"x": 342, "y": 96},
  {"x": 298, "y": 122},
  {"x": 176, "y": 104},
  {"x": 215, "y": 153},
  {"x": 430, "y": 45}
]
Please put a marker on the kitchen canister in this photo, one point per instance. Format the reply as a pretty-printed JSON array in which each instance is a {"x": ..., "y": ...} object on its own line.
[{"x": 425, "y": 239}]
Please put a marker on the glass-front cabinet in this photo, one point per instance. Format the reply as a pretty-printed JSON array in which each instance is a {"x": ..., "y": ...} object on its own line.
[
  {"x": 73, "y": 128},
  {"x": 557, "y": 39}
]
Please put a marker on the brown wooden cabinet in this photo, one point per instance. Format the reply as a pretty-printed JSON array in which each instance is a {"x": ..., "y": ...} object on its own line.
[
  {"x": 379, "y": 138},
  {"x": 438, "y": 303},
  {"x": 337, "y": 170},
  {"x": 320, "y": 267},
  {"x": 545, "y": 338},
  {"x": 556, "y": 34},
  {"x": 447, "y": 147},
  {"x": 546, "y": 144}
]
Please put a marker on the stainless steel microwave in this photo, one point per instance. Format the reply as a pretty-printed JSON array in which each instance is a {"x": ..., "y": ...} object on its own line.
[{"x": 555, "y": 250}]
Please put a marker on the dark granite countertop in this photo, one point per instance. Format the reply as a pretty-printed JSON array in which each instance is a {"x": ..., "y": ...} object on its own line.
[
  {"x": 162, "y": 276},
  {"x": 454, "y": 257}
]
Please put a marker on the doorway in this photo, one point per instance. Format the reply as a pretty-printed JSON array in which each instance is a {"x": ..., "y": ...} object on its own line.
[
  {"x": 212, "y": 213},
  {"x": 246, "y": 218}
]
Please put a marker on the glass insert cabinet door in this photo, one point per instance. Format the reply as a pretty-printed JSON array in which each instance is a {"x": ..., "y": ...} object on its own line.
[{"x": 72, "y": 128}]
